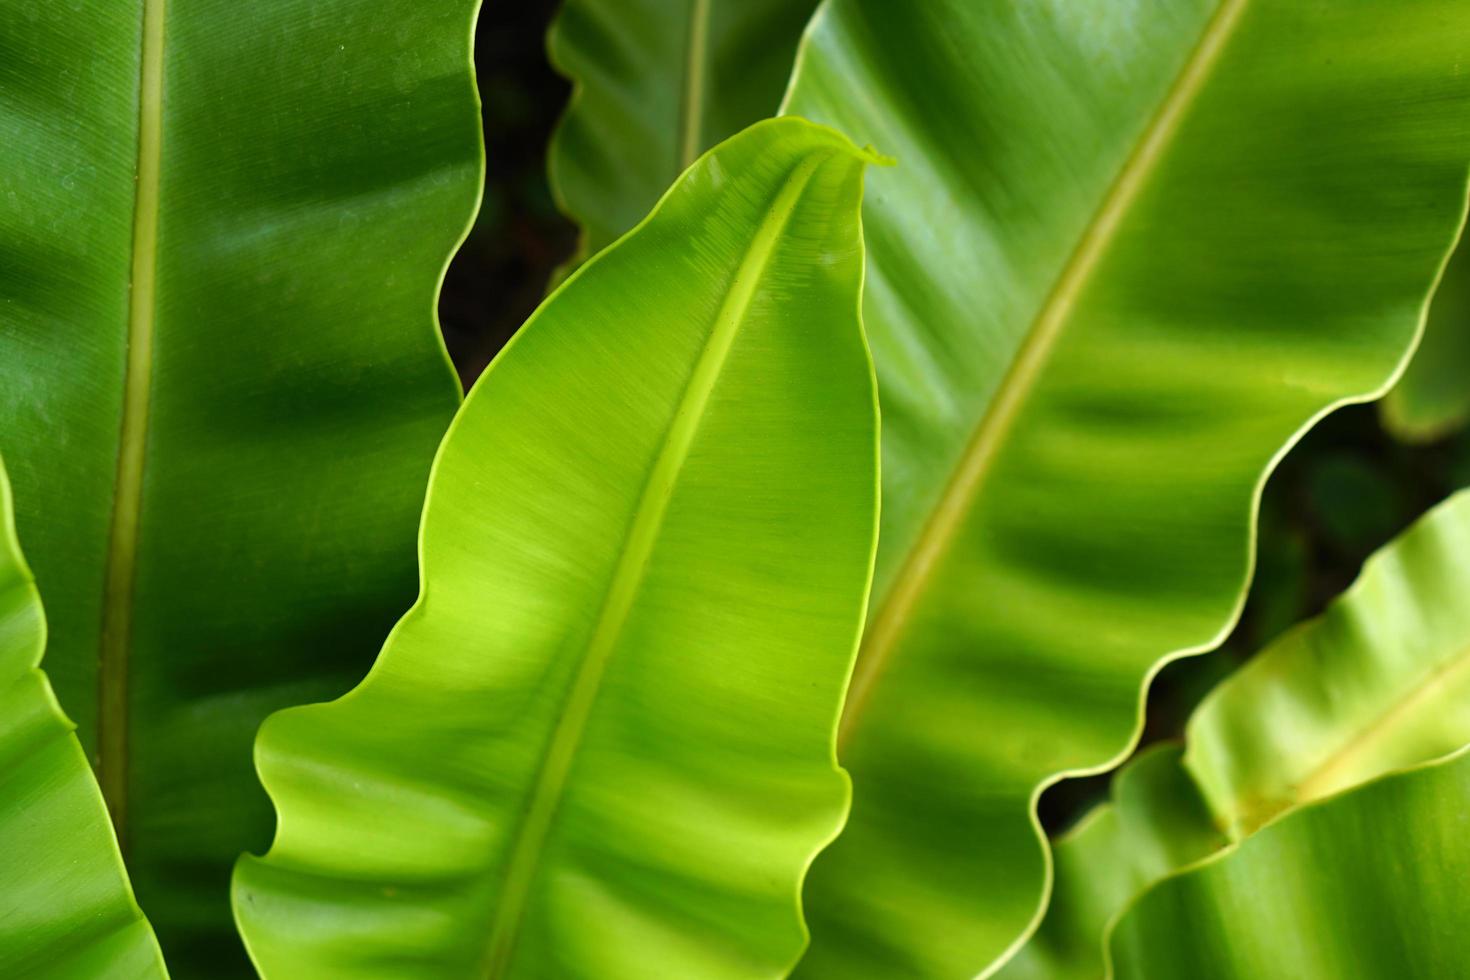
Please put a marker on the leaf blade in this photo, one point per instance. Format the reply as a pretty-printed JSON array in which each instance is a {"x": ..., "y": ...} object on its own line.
[
  {"x": 677, "y": 560},
  {"x": 1156, "y": 822},
  {"x": 316, "y": 165},
  {"x": 66, "y": 906},
  {"x": 1372, "y": 903},
  {"x": 655, "y": 83},
  {"x": 1370, "y": 687},
  {"x": 1121, "y": 489},
  {"x": 1373, "y": 685}
]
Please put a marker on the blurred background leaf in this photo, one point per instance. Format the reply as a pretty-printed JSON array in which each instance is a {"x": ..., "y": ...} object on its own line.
[{"x": 1432, "y": 400}]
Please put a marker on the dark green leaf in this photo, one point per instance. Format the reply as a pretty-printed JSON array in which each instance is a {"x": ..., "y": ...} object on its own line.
[
  {"x": 1130, "y": 250},
  {"x": 657, "y": 82},
  {"x": 222, "y": 226}
]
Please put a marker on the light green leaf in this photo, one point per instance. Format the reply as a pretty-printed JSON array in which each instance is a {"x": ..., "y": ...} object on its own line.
[
  {"x": 222, "y": 227},
  {"x": 1432, "y": 399},
  {"x": 601, "y": 744},
  {"x": 1367, "y": 884},
  {"x": 1130, "y": 251},
  {"x": 66, "y": 908},
  {"x": 1379, "y": 682},
  {"x": 656, "y": 83}
]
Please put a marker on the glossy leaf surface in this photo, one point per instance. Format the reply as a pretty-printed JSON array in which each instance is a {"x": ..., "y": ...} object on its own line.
[
  {"x": 656, "y": 83},
  {"x": 66, "y": 908},
  {"x": 1367, "y": 884},
  {"x": 1130, "y": 250},
  {"x": 222, "y": 227},
  {"x": 1378, "y": 683},
  {"x": 601, "y": 743},
  {"x": 1432, "y": 399}
]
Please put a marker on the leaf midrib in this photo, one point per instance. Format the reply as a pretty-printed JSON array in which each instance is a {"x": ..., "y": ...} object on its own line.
[
  {"x": 913, "y": 577},
  {"x": 692, "y": 89},
  {"x": 1314, "y": 783},
  {"x": 118, "y": 589},
  {"x": 627, "y": 578}
]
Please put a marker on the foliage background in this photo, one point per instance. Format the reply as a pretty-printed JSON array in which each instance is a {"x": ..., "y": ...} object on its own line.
[{"x": 1343, "y": 492}]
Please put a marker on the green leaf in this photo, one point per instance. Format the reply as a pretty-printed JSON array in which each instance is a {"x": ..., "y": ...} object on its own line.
[
  {"x": 222, "y": 226},
  {"x": 66, "y": 908},
  {"x": 1156, "y": 823},
  {"x": 1379, "y": 682},
  {"x": 1130, "y": 251},
  {"x": 1432, "y": 399},
  {"x": 1368, "y": 884},
  {"x": 656, "y": 83},
  {"x": 601, "y": 744}
]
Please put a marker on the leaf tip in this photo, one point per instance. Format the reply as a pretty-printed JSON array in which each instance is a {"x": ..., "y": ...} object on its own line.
[{"x": 870, "y": 154}]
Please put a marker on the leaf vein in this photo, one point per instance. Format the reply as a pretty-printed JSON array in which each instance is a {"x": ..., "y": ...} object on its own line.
[
  {"x": 627, "y": 578},
  {"x": 894, "y": 613}
]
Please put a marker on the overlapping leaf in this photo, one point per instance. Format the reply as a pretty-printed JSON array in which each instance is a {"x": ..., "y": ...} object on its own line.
[
  {"x": 1131, "y": 250},
  {"x": 601, "y": 743},
  {"x": 1156, "y": 823},
  {"x": 657, "y": 82},
  {"x": 1367, "y": 884},
  {"x": 222, "y": 226},
  {"x": 66, "y": 908},
  {"x": 1380, "y": 682}
]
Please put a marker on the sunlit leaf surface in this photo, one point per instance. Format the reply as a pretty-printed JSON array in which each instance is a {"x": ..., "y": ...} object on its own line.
[{"x": 601, "y": 744}]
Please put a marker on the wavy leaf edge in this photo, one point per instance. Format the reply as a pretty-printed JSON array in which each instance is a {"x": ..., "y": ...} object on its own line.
[
  {"x": 1231, "y": 830},
  {"x": 1211, "y": 645},
  {"x": 839, "y": 143},
  {"x": 1130, "y": 746},
  {"x": 10, "y": 548},
  {"x": 1252, "y": 553},
  {"x": 1226, "y": 852}
]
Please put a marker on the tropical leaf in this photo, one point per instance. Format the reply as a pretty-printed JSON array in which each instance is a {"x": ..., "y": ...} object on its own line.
[
  {"x": 1432, "y": 399},
  {"x": 1131, "y": 250},
  {"x": 601, "y": 744},
  {"x": 222, "y": 227},
  {"x": 1367, "y": 884},
  {"x": 1156, "y": 823},
  {"x": 1378, "y": 683},
  {"x": 656, "y": 83},
  {"x": 66, "y": 908}
]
